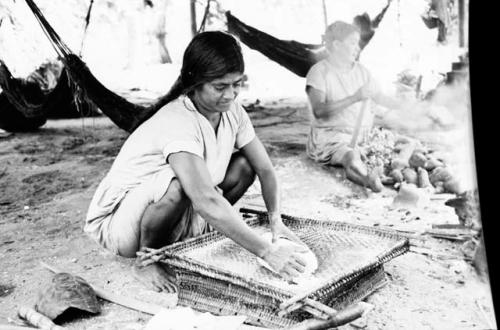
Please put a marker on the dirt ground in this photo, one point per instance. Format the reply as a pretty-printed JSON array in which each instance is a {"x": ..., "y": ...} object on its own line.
[{"x": 47, "y": 179}]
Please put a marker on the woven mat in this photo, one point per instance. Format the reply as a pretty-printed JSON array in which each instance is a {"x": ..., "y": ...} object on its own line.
[
  {"x": 342, "y": 249},
  {"x": 217, "y": 275},
  {"x": 339, "y": 252}
]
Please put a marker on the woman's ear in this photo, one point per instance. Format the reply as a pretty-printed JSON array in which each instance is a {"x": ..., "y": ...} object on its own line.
[
  {"x": 334, "y": 44},
  {"x": 329, "y": 45}
]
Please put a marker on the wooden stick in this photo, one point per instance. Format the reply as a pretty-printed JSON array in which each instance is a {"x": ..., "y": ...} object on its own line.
[
  {"x": 37, "y": 319},
  {"x": 287, "y": 303},
  {"x": 314, "y": 307},
  {"x": 316, "y": 313},
  {"x": 345, "y": 316},
  {"x": 131, "y": 303},
  {"x": 291, "y": 308},
  {"x": 13, "y": 327},
  {"x": 449, "y": 226},
  {"x": 355, "y": 134},
  {"x": 321, "y": 307}
]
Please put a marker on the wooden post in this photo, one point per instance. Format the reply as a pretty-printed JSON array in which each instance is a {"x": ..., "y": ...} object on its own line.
[
  {"x": 192, "y": 6},
  {"x": 325, "y": 17},
  {"x": 461, "y": 23},
  {"x": 161, "y": 34},
  {"x": 87, "y": 21}
]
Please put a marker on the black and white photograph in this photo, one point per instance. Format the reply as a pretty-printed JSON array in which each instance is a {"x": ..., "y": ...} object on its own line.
[{"x": 246, "y": 165}]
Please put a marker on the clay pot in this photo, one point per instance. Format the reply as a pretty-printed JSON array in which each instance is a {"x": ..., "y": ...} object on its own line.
[{"x": 410, "y": 196}]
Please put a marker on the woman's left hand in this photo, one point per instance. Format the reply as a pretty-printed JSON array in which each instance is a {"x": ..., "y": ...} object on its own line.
[{"x": 279, "y": 229}]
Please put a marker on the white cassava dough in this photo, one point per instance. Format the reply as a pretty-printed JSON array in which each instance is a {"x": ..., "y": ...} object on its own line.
[{"x": 308, "y": 256}]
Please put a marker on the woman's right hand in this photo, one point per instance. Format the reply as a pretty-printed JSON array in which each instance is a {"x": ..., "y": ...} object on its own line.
[
  {"x": 286, "y": 259},
  {"x": 365, "y": 92}
]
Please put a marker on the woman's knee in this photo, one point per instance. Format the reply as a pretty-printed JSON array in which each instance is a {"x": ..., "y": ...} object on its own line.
[
  {"x": 174, "y": 197},
  {"x": 244, "y": 168}
]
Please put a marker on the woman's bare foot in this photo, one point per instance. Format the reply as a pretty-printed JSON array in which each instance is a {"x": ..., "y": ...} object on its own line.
[
  {"x": 374, "y": 182},
  {"x": 156, "y": 276}
]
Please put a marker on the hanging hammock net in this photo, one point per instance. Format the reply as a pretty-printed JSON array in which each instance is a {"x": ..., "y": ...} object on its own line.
[
  {"x": 295, "y": 56},
  {"x": 123, "y": 113}
]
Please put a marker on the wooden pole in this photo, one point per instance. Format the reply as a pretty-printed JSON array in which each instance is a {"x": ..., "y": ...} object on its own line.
[
  {"x": 461, "y": 23},
  {"x": 87, "y": 22},
  {"x": 192, "y": 7},
  {"x": 14, "y": 327},
  {"x": 357, "y": 128},
  {"x": 205, "y": 15},
  {"x": 343, "y": 317},
  {"x": 325, "y": 16}
]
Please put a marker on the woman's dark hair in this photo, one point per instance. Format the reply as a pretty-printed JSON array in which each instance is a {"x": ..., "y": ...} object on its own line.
[{"x": 209, "y": 55}]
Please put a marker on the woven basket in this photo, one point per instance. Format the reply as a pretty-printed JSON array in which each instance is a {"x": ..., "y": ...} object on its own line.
[{"x": 217, "y": 275}]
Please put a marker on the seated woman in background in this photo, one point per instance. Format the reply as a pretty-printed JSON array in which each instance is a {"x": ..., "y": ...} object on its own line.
[
  {"x": 337, "y": 88},
  {"x": 177, "y": 174}
]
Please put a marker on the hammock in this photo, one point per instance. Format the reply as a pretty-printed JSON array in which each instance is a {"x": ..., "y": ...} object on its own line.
[
  {"x": 25, "y": 106},
  {"x": 123, "y": 113},
  {"x": 12, "y": 120},
  {"x": 27, "y": 97},
  {"x": 293, "y": 55},
  {"x": 17, "y": 112}
]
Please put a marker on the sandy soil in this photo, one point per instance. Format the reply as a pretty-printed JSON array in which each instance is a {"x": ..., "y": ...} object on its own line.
[{"x": 47, "y": 179}]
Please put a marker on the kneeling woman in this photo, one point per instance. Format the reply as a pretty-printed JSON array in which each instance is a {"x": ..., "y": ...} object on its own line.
[{"x": 177, "y": 174}]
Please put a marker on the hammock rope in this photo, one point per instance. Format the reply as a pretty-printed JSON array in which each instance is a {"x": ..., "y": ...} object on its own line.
[
  {"x": 60, "y": 47},
  {"x": 123, "y": 113}
]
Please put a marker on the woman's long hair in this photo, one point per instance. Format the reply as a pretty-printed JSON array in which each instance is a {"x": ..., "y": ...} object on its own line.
[{"x": 209, "y": 55}]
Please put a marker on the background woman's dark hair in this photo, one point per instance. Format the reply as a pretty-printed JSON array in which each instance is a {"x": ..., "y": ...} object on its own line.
[{"x": 208, "y": 56}]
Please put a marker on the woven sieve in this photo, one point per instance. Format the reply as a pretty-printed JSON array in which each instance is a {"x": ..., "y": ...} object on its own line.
[{"x": 217, "y": 275}]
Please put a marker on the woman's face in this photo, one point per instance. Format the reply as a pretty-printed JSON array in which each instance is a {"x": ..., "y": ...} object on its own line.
[
  {"x": 349, "y": 47},
  {"x": 219, "y": 94}
]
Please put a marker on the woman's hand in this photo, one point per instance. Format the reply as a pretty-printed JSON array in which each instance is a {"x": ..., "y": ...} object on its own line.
[
  {"x": 278, "y": 229},
  {"x": 366, "y": 91},
  {"x": 286, "y": 259}
]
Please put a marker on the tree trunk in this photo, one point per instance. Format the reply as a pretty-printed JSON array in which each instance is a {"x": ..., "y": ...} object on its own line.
[
  {"x": 325, "y": 14},
  {"x": 161, "y": 35},
  {"x": 461, "y": 23},
  {"x": 194, "y": 28}
]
